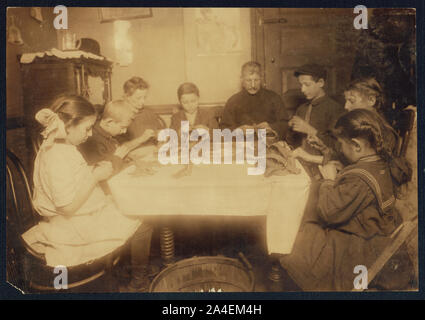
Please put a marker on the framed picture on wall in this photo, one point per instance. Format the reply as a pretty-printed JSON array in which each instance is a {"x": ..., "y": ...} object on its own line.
[
  {"x": 216, "y": 31},
  {"x": 112, "y": 14}
]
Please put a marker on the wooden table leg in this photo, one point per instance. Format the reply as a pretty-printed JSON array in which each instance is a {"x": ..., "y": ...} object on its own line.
[
  {"x": 275, "y": 273},
  {"x": 166, "y": 238}
]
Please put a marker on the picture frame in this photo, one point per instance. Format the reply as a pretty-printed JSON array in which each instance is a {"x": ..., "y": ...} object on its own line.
[{"x": 121, "y": 13}]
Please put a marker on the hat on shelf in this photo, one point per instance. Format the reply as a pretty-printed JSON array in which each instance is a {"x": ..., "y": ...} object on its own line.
[{"x": 88, "y": 45}]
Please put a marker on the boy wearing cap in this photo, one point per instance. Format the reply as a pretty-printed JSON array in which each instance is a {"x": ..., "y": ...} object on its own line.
[{"x": 317, "y": 116}]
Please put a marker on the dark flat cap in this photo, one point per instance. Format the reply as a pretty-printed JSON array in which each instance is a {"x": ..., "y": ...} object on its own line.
[{"x": 311, "y": 69}]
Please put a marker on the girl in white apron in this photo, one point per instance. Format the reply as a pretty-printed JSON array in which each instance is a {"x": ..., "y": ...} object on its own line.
[{"x": 80, "y": 223}]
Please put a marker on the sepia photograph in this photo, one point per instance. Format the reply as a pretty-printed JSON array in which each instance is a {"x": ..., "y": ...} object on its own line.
[{"x": 198, "y": 150}]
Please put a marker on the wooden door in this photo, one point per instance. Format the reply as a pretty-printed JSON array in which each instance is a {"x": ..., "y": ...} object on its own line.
[{"x": 286, "y": 38}]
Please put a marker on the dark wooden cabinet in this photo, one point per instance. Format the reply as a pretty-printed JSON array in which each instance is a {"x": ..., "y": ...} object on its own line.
[{"x": 48, "y": 77}]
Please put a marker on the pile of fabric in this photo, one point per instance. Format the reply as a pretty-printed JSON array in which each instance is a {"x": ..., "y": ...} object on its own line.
[{"x": 279, "y": 160}]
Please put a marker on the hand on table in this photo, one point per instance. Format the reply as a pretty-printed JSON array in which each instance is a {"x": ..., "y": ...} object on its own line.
[
  {"x": 145, "y": 167},
  {"x": 148, "y": 152},
  {"x": 123, "y": 150},
  {"x": 300, "y": 125},
  {"x": 102, "y": 170},
  {"x": 146, "y": 171}
]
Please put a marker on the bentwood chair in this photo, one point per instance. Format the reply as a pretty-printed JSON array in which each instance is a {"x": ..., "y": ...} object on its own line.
[
  {"x": 404, "y": 125},
  {"x": 26, "y": 268}
]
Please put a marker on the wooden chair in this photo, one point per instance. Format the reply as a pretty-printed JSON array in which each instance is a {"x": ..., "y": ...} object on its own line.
[
  {"x": 26, "y": 268},
  {"x": 404, "y": 125},
  {"x": 399, "y": 237}
]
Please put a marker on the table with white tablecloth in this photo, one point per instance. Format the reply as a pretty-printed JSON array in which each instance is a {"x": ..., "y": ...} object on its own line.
[{"x": 224, "y": 190}]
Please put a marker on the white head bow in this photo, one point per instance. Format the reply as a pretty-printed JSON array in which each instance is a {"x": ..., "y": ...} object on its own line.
[{"x": 54, "y": 126}]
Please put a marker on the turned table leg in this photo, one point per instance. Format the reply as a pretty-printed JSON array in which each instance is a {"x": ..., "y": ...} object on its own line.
[{"x": 166, "y": 238}]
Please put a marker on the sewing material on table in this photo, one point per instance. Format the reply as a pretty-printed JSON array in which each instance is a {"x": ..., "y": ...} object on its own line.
[
  {"x": 145, "y": 168},
  {"x": 280, "y": 160}
]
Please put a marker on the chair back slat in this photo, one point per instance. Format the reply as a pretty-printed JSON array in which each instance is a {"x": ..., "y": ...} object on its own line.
[
  {"x": 21, "y": 214},
  {"x": 404, "y": 125}
]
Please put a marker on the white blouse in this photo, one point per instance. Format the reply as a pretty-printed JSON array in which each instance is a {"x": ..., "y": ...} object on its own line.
[{"x": 57, "y": 173}]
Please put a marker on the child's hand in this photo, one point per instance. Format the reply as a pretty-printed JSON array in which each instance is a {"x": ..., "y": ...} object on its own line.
[
  {"x": 328, "y": 171},
  {"x": 300, "y": 153},
  {"x": 102, "y": 170},
  {"x": 122, "y": 151},
  {"x": 300, "y": 125},
  {"x": 149, "y": 133},
  {"x": 315, "y": 142}
]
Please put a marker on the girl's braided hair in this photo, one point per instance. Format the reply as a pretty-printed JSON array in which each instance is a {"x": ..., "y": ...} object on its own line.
[{"x": 365, "y": 124}]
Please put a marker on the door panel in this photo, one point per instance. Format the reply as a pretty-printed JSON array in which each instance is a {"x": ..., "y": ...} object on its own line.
[{"x": 287, "y": 38}]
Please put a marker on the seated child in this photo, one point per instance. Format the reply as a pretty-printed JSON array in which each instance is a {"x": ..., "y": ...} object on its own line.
[
  {"x": 354, "y": 215},
  {"x": 135, "y": 92},
  {"x": 80, "y": 222},
  {"x": 317, "y": 116},
  {"x": 359, "y": 94},
  {"x": 368, "y": 94},
  {"x": 103, "y": 145},
  {"x": 188, "y": 94}
]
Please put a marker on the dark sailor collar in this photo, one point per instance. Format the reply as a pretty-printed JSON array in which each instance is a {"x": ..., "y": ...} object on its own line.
[{"x": 371, "y": 158}]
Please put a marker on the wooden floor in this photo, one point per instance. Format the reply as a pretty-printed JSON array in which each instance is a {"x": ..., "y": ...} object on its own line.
[{"x": 226, "y": 237}]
